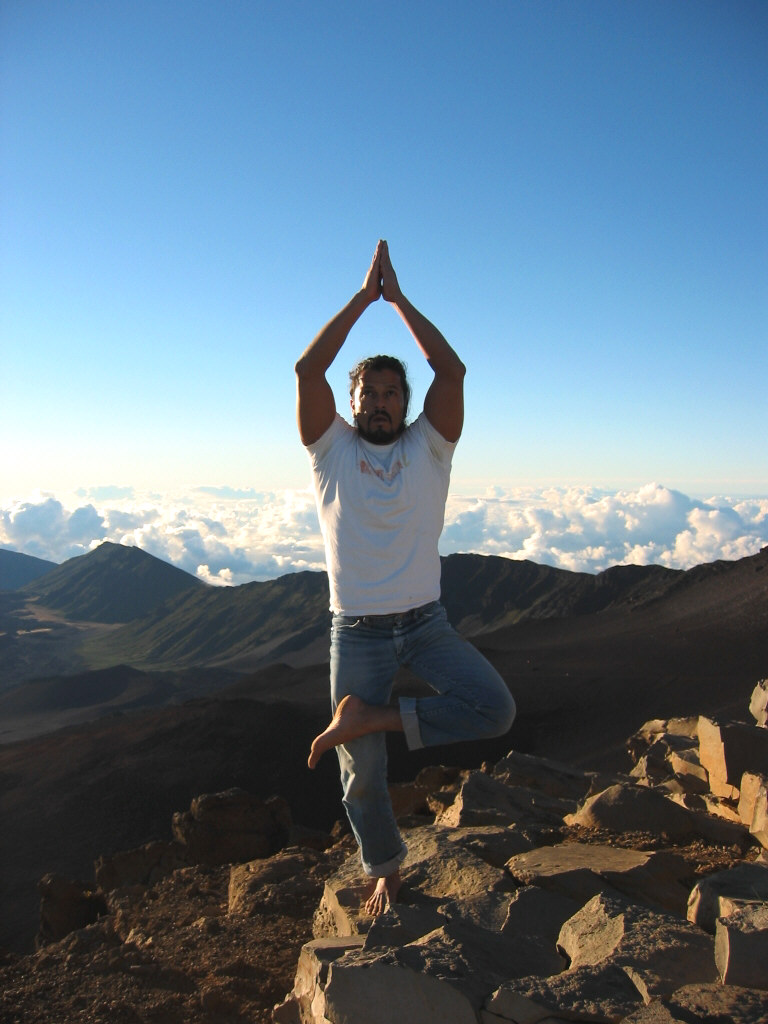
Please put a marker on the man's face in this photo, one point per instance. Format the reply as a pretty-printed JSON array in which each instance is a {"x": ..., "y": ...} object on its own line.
[{"x": 378, "y": 406}]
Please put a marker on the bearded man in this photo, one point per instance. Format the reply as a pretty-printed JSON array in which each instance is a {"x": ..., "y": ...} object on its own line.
[{"x": 381, "y": 488}]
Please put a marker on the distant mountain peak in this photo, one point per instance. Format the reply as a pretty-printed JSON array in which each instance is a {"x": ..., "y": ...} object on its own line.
[{"x": 112, "y": 583}]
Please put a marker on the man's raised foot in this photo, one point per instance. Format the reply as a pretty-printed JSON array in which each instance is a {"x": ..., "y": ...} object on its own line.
[{"x": 353, "y": 718}]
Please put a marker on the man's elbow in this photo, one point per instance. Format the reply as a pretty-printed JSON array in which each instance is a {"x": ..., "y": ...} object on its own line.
[
  {"x": 457, "y": 371},
  {"x": 302, "y": 369},
  {"x": 453, "y": 370}
]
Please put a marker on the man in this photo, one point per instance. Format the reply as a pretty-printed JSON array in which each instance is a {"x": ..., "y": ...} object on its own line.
[{"x": 381, "y": 488}]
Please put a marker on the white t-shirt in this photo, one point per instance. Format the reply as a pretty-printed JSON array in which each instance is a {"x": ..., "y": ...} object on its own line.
[{"x": 381, "y": 510}]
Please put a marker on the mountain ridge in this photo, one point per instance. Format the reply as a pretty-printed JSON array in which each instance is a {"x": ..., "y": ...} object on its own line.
[
  {"x": 113, "y": 583},
  {"x": 17, "y": 569},
  {"x": 184, "y": 623},
  {"x": 252, "y": 625},
  {"x": 661, "y": 646}
]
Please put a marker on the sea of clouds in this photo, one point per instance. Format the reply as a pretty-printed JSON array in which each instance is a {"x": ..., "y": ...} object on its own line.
[{"x": 226, "y": 536}]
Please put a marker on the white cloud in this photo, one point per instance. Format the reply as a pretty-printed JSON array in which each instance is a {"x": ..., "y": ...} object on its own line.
[
  {"x": 226, "y": 536},
  {"x": 41, "y": 526},
  {"x": 584, "y": 529}
]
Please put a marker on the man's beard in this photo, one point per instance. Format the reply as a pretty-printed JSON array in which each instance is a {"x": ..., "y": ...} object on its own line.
[{"x": 379, "y": 434}]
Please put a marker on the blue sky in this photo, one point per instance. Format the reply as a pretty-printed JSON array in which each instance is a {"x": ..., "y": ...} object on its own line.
[{"x": 574, "y": 192}]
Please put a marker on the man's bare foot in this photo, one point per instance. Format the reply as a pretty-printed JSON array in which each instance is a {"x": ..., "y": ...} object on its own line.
[
  {"x": 353, "y": 718},
  {"x": 384, "y": 893}
]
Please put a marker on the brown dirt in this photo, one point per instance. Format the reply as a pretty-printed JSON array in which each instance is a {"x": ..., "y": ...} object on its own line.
[{"x": 171, "y": 954}]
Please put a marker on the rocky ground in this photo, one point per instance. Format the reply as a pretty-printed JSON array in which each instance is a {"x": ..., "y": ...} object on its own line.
[
  {"x": 172, "y": 953},
  {"x": 209, "y": 926}
]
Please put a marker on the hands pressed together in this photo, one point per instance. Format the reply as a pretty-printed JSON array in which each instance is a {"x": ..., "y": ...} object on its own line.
[{"x": 381, "y": 278}]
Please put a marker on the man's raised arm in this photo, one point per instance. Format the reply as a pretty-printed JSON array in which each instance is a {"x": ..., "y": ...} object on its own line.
[
  {"x": 315, "y": 405},
  {"x": 444, "y": 401}
]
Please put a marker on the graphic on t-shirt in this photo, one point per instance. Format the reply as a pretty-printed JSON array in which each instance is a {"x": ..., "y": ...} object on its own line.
[{"x": 382, "y": 474}]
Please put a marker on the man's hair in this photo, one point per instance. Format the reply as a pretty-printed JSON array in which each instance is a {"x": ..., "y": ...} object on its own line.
[{"x": 381, "y": 363}]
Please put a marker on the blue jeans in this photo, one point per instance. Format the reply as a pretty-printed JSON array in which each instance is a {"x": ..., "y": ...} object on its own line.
[{"x": 471, "y": 702}]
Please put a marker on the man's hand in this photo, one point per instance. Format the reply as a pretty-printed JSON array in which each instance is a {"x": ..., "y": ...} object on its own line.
[
  {"x": 372, "y": 282},
  {"x": 316, "y": 406},
  {"x": 390, "y": 288}
]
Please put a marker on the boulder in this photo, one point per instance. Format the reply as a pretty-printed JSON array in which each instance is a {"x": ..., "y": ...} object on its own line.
[
  {"x": 310, "y": 838},
  {"x": 639, "y": 742},
  {"x": 476, "y": 959},
  {"x": 538, "y": 913},
  {"x": 438, "y": 870},
  {"x": 458, "y": 964},
  {"x": 409, "y": 798},
  {"x": 758, "y": 704},
  {"x": 492, "y": 956},
  {"x": 659, "y": 952},
  {"x": 724, "y": 831},
  {"x": 627, "y": 808},
  {"x": 580, "y": 871},
  {"x": 401, "y": 924},
  {"x": 721, "y": 1004},
  {"x": 340, "y": 912},
  {"x": 486, "y": 800},
  {"x": 143, "y": 866},
  {"x": 545, "y": 775},
  {"x": 634, "y": 809},
  {"x": 688, "y": 769},
  {"x": 247, "y": 882},
  {"x": 727, "y": 750},
  {"x": 748, "y": 793},
  {"x": 231, "y": 827},
  {"x": 650, "y": 771},
  {"x": 672, "y": 789},
  {"x": 433, "y": 789},
  {"x": 536, "y": 916},
  {"x": 488, "y": 910},
  {"x": 723, "y": 808},
  {"x": 658, "y": 759},
  {"x": 655, "y": 739},
  {"x": 713, "y": 1004},
  {"x": 311, "y": 976},
  {"x": 378, "y": 989},
  {"x": 66, "y": 905},
  {"x": 441, "y": 800},
  {"x": 410, "y": 973},
  {"x": 741, "y": 947},
  {"x": 746, "y": 883},
  {"x": 600, "y": 993},
  {"x": 759, "y": 826},
  {"x": 440, "y": 867},
  {"x": 494, "y": 844}
]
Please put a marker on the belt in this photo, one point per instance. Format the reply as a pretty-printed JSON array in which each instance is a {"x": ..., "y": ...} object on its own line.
[{"x": 398, "y": 619}]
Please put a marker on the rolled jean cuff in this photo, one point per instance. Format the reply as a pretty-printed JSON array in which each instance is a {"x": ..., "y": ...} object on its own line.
[
  {"x": 388, "y": 867},
  {"x": 410, "y": 719}
]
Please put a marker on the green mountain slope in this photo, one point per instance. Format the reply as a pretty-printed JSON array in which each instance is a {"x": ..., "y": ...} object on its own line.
[
  {"x": 218, "y": 624},
  {"x": 113, "y": 583},
  {"x": 259, "y": 623}
]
